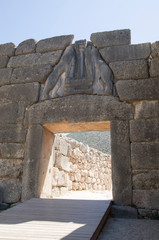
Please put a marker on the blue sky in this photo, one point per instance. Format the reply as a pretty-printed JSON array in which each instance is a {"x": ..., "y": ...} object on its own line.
[{"x": 39, "y": 19}]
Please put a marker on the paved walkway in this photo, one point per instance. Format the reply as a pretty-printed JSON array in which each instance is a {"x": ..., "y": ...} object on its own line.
[
  {"x": 130, "y": 229},
  {"x": 74, "y": 217}
]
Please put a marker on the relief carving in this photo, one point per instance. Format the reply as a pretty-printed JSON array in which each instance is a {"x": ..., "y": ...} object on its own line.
[{"x": 80, "y": 71}]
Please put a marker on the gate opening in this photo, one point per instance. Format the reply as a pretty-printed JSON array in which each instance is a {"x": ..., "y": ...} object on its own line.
[{"x": 68, "y": 165}]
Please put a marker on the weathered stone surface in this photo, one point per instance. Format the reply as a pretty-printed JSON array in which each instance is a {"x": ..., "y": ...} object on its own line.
[
  {"x": 142, "y": 130},
  {"x": 111, "y": 38},
  {"x": 7, "y": 49},
  {"x": 62, "y": 162},
  {"x": 145, "y": 155},
  {"x": 10, "y": 168},
  {"x": 25, "y": 47},
  {"x": 11, "y": 112},
  {"x": 134, "y": 69},
  {"x": 123, "y": 212},
  {"x": 12, "y": 133},
  {"x": 55, "y": 43},
  {"x": 79, "y": 108},
  {"x": 12, "y": 190},
  {"x": 31, "y": 74},
  {"x": 27, "y": 93},
  {"x": 155, "y": 49},
  {"x": 147, "y": 109},
  {"x": 126, "y": 52},
  {"x": 34, "y": 144},
  {"x": 34, "y": 59},
  {"x": 143, "y": 89},
  {"x": 154, "y": 69},
  {"x": 121, "y": 165},
  {"x": 5, "y": 76},
  {"x": 3, "y": 61},
  {"x": 146, "y": 199},
  {"x": 11, "y": 150},
  {"x": 146, "y": 180}
]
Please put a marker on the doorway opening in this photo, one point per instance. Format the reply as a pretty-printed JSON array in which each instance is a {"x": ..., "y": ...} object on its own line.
[{"x": 72, "y": 164}]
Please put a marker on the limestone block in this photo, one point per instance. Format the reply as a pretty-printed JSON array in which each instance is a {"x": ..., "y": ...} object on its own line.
[
  {"x": 31, "y": 74},
  {"x": 55, "y": 192},
  {"x": 27, "y": 93},
  {"x": 11, "y": 168},
  {"x": 63, "y": 191},
  {"x": 34, "y": 59},
  {"x": 3, "y": 61},
  {"x": 79, "y": 108},
  {"x": 155, "y": 49},
  {"x": 11, "y": 150},
  {"x": 111, "y": 38},
  {"x": 154, "y": 69},
  {"x": 63, "y": 147},
  {"x": 143, "y": 89},
  {"x": 7, "y": 49},
  {"x": 121, "y": 165},
  {"x": 63, "y": 180},
  {"x": 25, "y": 47},
  {"x": 5, "y": 76},
  {"x": 142, "y": 130},
  {"x": 11, "y": 112},
  {"x": 146, "y": 199},
  {"x": 147, "y": 109},
  {"x": 134, "y": 69},
  {"x": 78, "y": 177},
  {"x": 33, "y": 154},
  {"x": 53, "y": 44},
  {"x": 12, "y": 190},
  {"x": 126, "y": 52},
  {"x": 62, "y": 162},
  {"x": 146, "y": 180},
  {"x": 145, "y": 155},
  {"x": 12, "y": 133}
]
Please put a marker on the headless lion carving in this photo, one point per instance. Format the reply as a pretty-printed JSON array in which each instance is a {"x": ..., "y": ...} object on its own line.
[{"x": 80, "y": 71}]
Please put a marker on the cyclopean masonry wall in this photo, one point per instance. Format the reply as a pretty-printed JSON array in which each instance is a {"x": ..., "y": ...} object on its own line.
[
  {"x": 78, "y": 167},
  {"x": 53, "y": 86}
]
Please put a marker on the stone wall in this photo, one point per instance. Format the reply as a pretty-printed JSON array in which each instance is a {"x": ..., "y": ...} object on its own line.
[
  {"x": 42, "y": 86},
  {"x": 79, "y": 167}
]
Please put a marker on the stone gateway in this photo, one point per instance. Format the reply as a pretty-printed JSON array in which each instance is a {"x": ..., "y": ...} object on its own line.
[{"x": 55, "y": 86}]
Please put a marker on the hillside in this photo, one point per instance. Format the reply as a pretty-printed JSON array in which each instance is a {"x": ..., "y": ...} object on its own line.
[{"x": 97, "y": 140}]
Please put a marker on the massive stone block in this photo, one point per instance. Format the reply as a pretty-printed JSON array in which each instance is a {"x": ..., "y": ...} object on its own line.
[
  {"x": 142, "y": 130},
  {"x": 7, "y": 49},
  {"x": 26, "y": 47},
  {"x": 33, "y": 154},
  {"x": 147, "y": 109},
  {"x": 5, "y": 76},
  {"x": 31, "y": 74},
  {"x": 3, "y": 61},
  {"x": 34, "y": 59},
  {"x": 79, "y": 108},
  {"x": 143, "y": 89},
  {"x": 126, "y": 52},
  {"x": 145, "y": 155},
  {"x": 62, "y": 162},
  {"x": 121, "y": 166},
  {"x": 11, "y": 150},
  {"x": 154, "y": 69},
  {"x": 55, "y": 43},
  {"x": 146, "y": 199},
  {"x": 10, "y": 133},
  {"x": 155, "y": 49},
  {"x": 11, "y": 190},
  {"x": 111, "y": 38},
  {"x": 146, "y": 180},
  {"x": 134, "y": 69},
  {"x": 11, "y": 168},
  {"x": 27, "y": 93},
  {"x": 11, "y": 112}
]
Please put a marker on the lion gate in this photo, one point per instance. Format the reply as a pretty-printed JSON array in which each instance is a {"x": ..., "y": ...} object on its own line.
[{"x": 55, "y": 86}]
